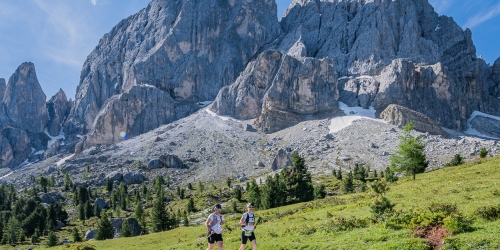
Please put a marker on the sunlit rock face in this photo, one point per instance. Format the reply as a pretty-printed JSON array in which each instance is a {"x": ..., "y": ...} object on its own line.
[
  {"x": 399, "y": 52},
  {"x": 187, "y": 50}
]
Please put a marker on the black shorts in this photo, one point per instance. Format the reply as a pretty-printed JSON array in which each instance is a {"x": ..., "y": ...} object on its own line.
[
  {"x": 244, "y": 238},
  {"x": 214, "y": 238}
]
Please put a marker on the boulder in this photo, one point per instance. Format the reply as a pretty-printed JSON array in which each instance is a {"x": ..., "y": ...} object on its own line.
[
  {"x": 281, "y": 160},
  {"x": 101, "y": 203},
  {"x": 135, "y": 228},
  {"x": 400, "y": 116},
  {"x": 90, "y": 234},
  {"x": 171, "y": 161}
]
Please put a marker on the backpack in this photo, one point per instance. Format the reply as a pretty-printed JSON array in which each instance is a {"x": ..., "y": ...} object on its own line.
[{"x": 248, "y": 218}]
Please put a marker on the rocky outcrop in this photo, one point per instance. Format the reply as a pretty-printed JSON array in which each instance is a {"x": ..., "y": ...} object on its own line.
[
  {"x": 140, "y": 109},
  {"x": 58, "y": 108},
  {"x": 187, "y": 50},
  {"x": 14, "y": 146},
  {"x": 281, "y": 160},
  {"x": 25, "y": 101},
  {"x": 367, "y": 40},
  {"x": 280, "y": 91},
  {"x": 135, "y": 228},
  {"x": 487, "y": 126},
  {"x": 400, "y": 116}
]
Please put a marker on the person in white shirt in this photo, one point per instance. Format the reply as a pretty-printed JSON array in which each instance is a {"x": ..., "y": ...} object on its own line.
[
  {"x": 214, "y": 227},
  {"x": 247, "y": 221}
]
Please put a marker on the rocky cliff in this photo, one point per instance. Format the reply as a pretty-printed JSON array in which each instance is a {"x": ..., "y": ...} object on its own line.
[
  {"x": 394, "y": 52},
  {"x": 280, "y": 91},
  {"x": 58, "y": 108},
  {"x": 186, "y": 50},
  {"x": 25, "y": 116}
]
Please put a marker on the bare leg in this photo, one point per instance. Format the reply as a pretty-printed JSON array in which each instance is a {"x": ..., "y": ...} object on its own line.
[
  {"x": 210, "y": 246},
  {"x": 254, "y": 244},
  {"x": 220, "y": 245},
  {"x": 242, "y": 247}
]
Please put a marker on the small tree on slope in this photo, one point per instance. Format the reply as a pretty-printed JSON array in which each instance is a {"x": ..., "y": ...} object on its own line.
[{"x": 410, "y": 157}]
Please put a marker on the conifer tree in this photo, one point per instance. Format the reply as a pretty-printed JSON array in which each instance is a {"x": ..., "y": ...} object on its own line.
[
  {"x": 185, "y": 221},
  {"x": 253, "y": 194},
  {"x": 52, "y": 239},
  {"x": 125, "y": 232},
  {"x": 319, "y": 191},
  {"x": 109, "y": 185},
  {"x": 11, "y": 231},
  {"x": 44, "y": 183},
  {"x": 339, "y": 175},
  {"x": 104, "y": 229},
  {"x": 389, "y": 175},
  {"x": 228, "y": 182},
  {"x": 76, "y": 235},
  {"x": 237, "y": 193},
  {"x": 140, "y": 215},
  {"x": 81, "y": 211},
  {"x": 190, "y": 205},
  {"x": 348, "y": 184},
  {"x": 190, "y": 186},
  {"x": 299, "y": 181},
  {"x": 97, "y": 211},
  {"x": 87, "y": 210},
  {"x": 410, "y": 157},
  {"x": 159, "y": 216}
]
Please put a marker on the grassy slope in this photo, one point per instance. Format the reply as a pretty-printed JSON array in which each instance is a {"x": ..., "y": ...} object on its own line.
[{"x": 302, "y": 226}]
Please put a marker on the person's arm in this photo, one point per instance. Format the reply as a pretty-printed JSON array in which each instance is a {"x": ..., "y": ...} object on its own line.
[
  {"x": 207, "y": 224},
  {"x": 243, "y": 220}
]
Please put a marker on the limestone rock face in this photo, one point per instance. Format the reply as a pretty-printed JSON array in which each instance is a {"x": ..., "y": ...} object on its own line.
[
  {"x": 280, "y": 90},
  {"x": 400, "y": 116},
  {"x": 369, "y": 39},
  {"x": 14, "y": 146},
  {"x": 138, "y": 110},
  {"x": 24, "y": 100},
  {"x": 187, "y": 50},
  {"x": 486, "y": 126},
  {"x": 58, "y": 108}
]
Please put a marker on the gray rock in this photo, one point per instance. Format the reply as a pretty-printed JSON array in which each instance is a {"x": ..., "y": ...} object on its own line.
[
  {"x": 14, "y": 146},
  {"x": 52, "y": 150},
  {"x": 135, "y": 228},
  {"x": 171, "y": 161},
  {"x": 25, "y": 101},
  {"x": 58, "y": 108},
  {"x": 90, "y": 234},
  {"x": 280, "y": 91},
  {"x": 400, "y": 116},
  {"x": 101, "y": 203},
  {"x": 60, "y": 224},
  {"x": 154, "y": 164},
  {"x": 281, "y": 160},
  {"x": 486, "y": 126}
]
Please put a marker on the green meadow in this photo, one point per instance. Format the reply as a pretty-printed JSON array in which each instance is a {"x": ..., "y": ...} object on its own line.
[{"x": 469, "y": 192}]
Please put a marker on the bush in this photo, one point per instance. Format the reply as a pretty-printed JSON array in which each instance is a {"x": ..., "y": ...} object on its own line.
[
  {"x": 457, "y": 160},
  {"x": 381, "y": 206},
  {"x": 457, "y": 223},
  {"x": 483, "y": 153},
  {"x": 344, "y": 224},
  {"x": 488, "y": 212}
]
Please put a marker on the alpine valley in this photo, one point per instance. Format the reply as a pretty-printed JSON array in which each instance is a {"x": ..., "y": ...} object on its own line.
[{"x": 205, "y": 90}]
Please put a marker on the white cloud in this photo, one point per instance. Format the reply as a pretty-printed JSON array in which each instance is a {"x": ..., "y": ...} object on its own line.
[
  {"x": 483, "y": 17},
  {"x": 94, "y": 2}
]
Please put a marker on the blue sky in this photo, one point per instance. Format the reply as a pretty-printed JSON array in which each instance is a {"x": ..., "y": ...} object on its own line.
[{"x": 57, "y": 35}]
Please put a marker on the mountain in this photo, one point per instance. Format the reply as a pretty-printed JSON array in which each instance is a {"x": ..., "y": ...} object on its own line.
[
  {"x": 157, "y": 64},
  {"x": 163, "y": 64},
  {"x": 24, "y": 117}
]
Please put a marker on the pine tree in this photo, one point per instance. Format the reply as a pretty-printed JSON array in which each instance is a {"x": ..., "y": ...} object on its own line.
[
  {"x": 483, "y": 152},
  {"x": 190, "y": 205},
  {"x": 319, "y": 191},
  {"x": 44, "y": 182},
  {"x": 410, "y": 157},
  {"x": 87, "y": 210},
  {"x": 125, "y": 232},
  {"x": 109, "y": 185},
  {"x": 159, "y": 216},
  {"x": 228, "y": 182},
  {"x": 104, "y": 229},
  {"x": 237, "y": 193},
  {"x": 389, "y": 175},
  {"x": 97, "y": 211},
  {"x": 190, "y": 186},
  {"x": 299, "y": 182},
  {"x": 185, "y": 221},
  {"x": 76, "y": 235},
  {"x": 201, "y": 188},
  {"x": 52, "y": 239},
  {"x": 339, "y": 175},
  {"x": 11, "y": 231},
  {"x": 67, "y": 182},
  {"x": 253, "y": 195},
  {"x": 140, "y": 215},
  {"x": 81, "y": 210},
  {"x": 348, "y": 184}
]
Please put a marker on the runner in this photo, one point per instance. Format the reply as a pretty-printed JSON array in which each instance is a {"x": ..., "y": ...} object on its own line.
[
  {"x": 214, "y": 227},
  {"x": 247, "y": 221}
]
